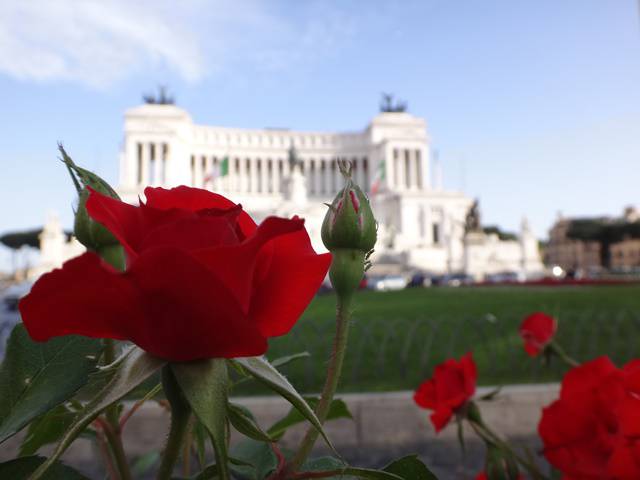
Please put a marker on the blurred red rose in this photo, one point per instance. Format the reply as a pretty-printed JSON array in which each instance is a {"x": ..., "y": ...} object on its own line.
[
  {"x": 452, "y": 385},
  {"x": 593, "y": 430},
  {"x": 202, "y": 280},
  {"x": 537, "y": 330}
]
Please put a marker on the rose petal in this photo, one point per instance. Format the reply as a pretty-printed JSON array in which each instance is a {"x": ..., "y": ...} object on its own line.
[
  {"x": 286, "y": 280},
  {"x": 166, "y": 303},
  {"x": 440, "y": 418},
  {"x": 190, "y": 312},
  {"x": 84, "y": 297},
  {"x": 129, "y": 224},
  {"x": 195, "y": 232},
  {"x": 425, "y": 395},
  {"x": 586, "y": 376},
  {"x": 195, "y": 199},
  {"x": 236, "y": 265}
]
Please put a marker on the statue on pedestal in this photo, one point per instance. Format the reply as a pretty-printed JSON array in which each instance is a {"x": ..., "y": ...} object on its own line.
[
  {"x": 472, "y": 221},
  {"x": 295, "y": 185}
]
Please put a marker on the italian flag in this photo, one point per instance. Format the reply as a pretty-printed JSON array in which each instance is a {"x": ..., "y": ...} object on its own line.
[
  {"x": 221, "y": 170},
  {"x": 378, "y": 178}
]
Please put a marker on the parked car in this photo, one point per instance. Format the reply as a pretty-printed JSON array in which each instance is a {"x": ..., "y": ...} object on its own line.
[
  {"x": 387, "y": 282},
  {"x": 453, "y": 280},
  {"x": 503, "y": 277},
  {"x": 9, "y": 314},
  {"x": 419, "y": 279}
]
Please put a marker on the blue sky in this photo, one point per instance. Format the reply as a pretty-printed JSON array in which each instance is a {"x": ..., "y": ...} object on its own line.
[{"x": 534, "y": 106}]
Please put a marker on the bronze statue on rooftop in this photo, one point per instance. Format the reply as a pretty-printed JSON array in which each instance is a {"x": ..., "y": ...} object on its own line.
[
  {"x": 387, "y": 104},
  {"x": 162, "y": 99}
]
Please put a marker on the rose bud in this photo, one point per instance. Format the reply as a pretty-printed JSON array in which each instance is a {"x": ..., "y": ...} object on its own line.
[
  {"x": 90, "y": 233},
  {"x": 537, "y": 331},
  {"x": 500, "y": 464},
  {"x": 449, "y": 391},
  {"x": 349, "y": 231},
  {"x": 349, "y": 223}
]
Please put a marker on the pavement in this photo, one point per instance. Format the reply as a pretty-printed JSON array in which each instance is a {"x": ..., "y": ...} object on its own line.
[{"x": 386, "y": 426}]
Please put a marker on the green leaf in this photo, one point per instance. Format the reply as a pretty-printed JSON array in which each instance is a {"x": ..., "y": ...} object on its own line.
[
  {"x": 126, "y": 373},
  {"x": 46, "y": 429},
  {"x": 335, "y": 468},
  {"x": 279, "y": 362},
  {"x": 258, "y": 457},
  {"x": 492, "y": 394},
  {"x": 244, "y": 422},
  {"x": 264, "y": 372},
  {"x": 337, "y": 409},
  {"x": 205, "y": 386},
  {"x": 410, "y": 468},
  {"x": 21, "y": 468},
  {"x": 143, "y": 464},
  {"x": 35, "y": 376}
]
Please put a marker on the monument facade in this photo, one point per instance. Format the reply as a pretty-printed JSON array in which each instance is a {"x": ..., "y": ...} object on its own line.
[{"x": 421, "y": 225}]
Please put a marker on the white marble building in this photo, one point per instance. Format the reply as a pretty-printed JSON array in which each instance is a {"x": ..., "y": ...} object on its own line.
[
  {"x": 55, "y": 248},
  {"x": 421, "y": 226}
]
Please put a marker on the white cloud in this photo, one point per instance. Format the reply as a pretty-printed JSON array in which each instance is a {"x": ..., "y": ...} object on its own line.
[{"x": 98, "y": 43}]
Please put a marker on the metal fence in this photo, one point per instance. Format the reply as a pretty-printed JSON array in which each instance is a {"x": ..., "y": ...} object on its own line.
[
  {"x": 397, "y": 354},
  {"x": 387, "y": 354}
]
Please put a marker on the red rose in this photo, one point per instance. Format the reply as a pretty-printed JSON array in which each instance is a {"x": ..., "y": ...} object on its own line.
[
  {"x": 452, "y": 384},
  {"x": 202, "y": 280},
  {"x": 537, "y": 330},
  {"x": 593, "y": 430}
]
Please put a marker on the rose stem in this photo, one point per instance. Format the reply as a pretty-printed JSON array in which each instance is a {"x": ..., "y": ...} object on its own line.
[
  {"x": 180, "y": 417},
  {"x": 343, "y": 316},
  {"x": 483, "y": 431},
  {"x": 558, "y": 350},
  {"x": 112, "y": 425}
]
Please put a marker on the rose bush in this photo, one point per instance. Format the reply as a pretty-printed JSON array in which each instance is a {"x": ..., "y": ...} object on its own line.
[
  {"x": 537, "y": 330},
  {"x": 593, "y": 430},
  {"x": 202, "y": 280},
  {"x": 452, "y": 385}
]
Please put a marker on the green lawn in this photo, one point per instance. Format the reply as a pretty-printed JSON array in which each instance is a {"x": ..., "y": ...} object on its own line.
[{"x": 397, "y": 337}]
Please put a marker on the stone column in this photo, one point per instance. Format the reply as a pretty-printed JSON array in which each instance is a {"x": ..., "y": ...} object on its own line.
[
  {"x": 146, "y": 151},
  {"x": 337, "y": 176},
  {"x": 157, "y": 162},
  {"x": 390, "y": 172},
  {"x": 328, "y": 179},
  {"x": 415, "y": 174},
  {"x": 317, "y": 176},
  {"x": 243, "y": 175},
  {"x": 264, "y": 170},
  {"x": 274, "y": 175},
  {"x": 401, "y": 177}
]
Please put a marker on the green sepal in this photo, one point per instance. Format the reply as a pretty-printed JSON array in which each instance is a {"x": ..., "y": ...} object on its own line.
[{"x": 205, "y": 385}]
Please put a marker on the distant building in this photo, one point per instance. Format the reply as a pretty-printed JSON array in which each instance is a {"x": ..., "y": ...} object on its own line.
[
  {"x": 421, "y": 225},
  {"x": 595, "y": 243},
  {"x": 55, "y": 248},
  {"x": 569, "y": 253},
  {"x": 626, "y": 254}
]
